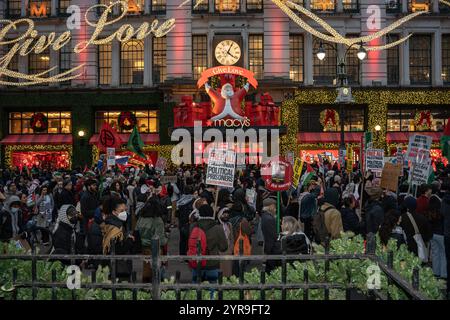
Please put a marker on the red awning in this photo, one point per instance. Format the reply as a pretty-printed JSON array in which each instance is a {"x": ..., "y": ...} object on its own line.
[
  {"x": 404, "y": 136},
  {"x": 148, "y": 138},
  {"x": 328, "y": 137},
  {"x": 37, "y": 139}
]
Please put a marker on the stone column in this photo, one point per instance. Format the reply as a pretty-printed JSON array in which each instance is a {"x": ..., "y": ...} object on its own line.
[
  {"x": 437, "y": 59},
  {"x": 404, "y": 61},
  {"x": 308, "y": 60}
]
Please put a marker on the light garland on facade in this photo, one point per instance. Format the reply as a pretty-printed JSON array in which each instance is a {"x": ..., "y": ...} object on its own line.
[
  {"x": 376, "y": 100},
  {"x": 335, "y": 36},
  {"x": 9, "y": 149}
]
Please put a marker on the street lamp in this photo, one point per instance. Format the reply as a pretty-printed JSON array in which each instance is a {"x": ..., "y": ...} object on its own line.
[
  {"x": 344, "y": 92},
  {"x": 377, "y": 128},
  {"x": 81, "y": 133}
]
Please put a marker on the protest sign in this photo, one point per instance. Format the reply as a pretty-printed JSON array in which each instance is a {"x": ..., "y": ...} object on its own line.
[
  {"x": 421, "y": 172},
  {"x": 277, "y": 174},
  {"x": 221, "y": 167},
  {"x": 111, "y": 157},
  {"x": 389, "y": 176},
  {"x": 168, "y": 179},
  {"x": 349, "y": 162},
  {"x": 416, "y": 143},
  {"x": 298, "y": 166},
  {"x": 290, "y": 157},
  {"x": 374, "y": 160},
  {"x": 161, "y": 164}
]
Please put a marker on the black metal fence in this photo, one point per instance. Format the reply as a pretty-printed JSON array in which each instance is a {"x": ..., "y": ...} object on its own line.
[{"x": 156, "y": 287}]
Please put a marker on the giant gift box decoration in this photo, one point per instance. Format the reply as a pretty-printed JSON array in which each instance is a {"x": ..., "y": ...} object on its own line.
[{"x": 264, "y": 113}]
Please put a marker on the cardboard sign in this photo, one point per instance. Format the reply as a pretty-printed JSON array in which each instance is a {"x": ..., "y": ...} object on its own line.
[
  {"x": 297, "y": 171},
  {"x": 421, "y": 172},
  {"x": 389, "y": 176},
  {"x": 374, "y": 160},
  {"x": 161, "y": 164},
  {"x": 111, "y": 157},
  {"x": 416, "y": 143},
  {"x": 221, "y": 167},
  {"x": 168, "y": 179}
]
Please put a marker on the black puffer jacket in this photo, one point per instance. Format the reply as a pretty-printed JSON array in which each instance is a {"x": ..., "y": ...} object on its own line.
[{"x": 296, "y": 243}]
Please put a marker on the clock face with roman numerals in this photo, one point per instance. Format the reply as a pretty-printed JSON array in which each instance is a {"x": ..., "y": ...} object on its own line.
[{"x": 227, "y": 52}]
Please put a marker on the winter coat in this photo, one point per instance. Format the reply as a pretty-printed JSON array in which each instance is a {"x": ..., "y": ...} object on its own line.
[
  {"x": 424, "y": 229},
  {"x": 269, "y": 230},
  {"x": 333, "y": 220},
  {"x": 89, "y": 203},
  {"x": 64, "y": 234},
  {"x": 422, "y": 204},
  {"x": 374, "y": 216},
  {"x": 350, "y": 220},
  {"x": 11, "y": 224},
  {"x": 445, "y": 210},
  {"x": 215, "y": 240},
  {"x": 64, "y": 197},
  {"x": 95, "y": 238},
  {"x": 307, "y": 206},
  {"x": 208, "y": 196},
  {"x": 227, "y": 266},
  {"x": 296, "y": 243},
  {"x": 149, "y": 227},
  {"x": 184, "y": 208}
]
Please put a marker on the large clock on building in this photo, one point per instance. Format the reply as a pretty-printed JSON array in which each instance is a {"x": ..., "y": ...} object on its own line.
[{"x": 228, "y": 52}]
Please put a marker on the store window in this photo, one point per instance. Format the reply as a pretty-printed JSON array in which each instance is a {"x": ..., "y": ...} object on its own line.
[
  {"x": 39, "y": 62},
  {"x": 323, "y": 5},
  {"x": 199, "y": 55},
  {"x": 350, "y": 5},
  {"x": 394, "y": 6},
  {"x": 393, "y": 61},
  {"x": 147, "y": 120},
  {"x": 158, "y": 6},
  {"x": 419, "y": 5},
  {"x": 254, "y": 5},
  {"x": 352, "y": 64},
  {"x": 354, "y": 118},
  {"x": 39, "y": 8},
  {"x": 132, "y": 63},
  {"x": 159, "y": 60},
  {"x": 227, "y": 6},
  {"x": 324, "y": 72},
  {"x": 62, "y": 7},
  {"x": 136, "y": 7},
  {"x": 420, "y": 59},
  {"x": 296, "y": 57},
  {"x": 256, "y": 55},
  {"x": 105, "y": 64},
  {"x": 13, "y": 8},
  {"x": 446, "y": 58},
  {"x": 13, "y": 63},
  {"x": 200, "y": 7},
  {"x": 65, "y": 61},
  {"x": 402, "y": 118},
  {"x": 59, "y": 122}
]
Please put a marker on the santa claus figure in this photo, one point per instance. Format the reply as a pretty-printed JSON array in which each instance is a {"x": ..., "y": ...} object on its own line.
[{"x": 227, "y": 103}]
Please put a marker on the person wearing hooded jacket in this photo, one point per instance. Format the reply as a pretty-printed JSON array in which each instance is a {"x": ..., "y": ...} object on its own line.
[
  {"x": 224, "y": 216},
  {"x": 65, "y": 238},
  {"x": 445, "y": 210},
  {"x": 374, "y": 210},
  {"x": 184, "y": 209},
  {"x": 11, "y": 222}
]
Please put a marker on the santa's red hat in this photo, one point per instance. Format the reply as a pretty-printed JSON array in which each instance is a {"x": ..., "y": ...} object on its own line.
[{"x": 447, "y": 128}]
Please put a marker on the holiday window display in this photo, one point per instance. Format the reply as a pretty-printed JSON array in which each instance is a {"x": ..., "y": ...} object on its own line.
[
  {"x": 329, "y": 119},
  {"x": 127, "y": 120},
  {"x": 39, "y": 122},
  {"x": 423, "y": 120}
]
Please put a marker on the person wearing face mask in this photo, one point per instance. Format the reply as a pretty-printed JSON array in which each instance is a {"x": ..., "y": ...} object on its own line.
[
  {"x": 223, "y": 217},
  {"x": 11, "y": 222},
  {"x": 113, "y": 231},
  {"x": 65, "y": 238}
]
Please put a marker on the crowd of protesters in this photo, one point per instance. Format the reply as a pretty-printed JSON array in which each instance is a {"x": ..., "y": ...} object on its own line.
[{"x": 121, "y": 211}]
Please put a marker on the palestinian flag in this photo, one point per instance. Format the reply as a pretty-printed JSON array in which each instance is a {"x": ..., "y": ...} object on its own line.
[
  {"x": 445, "y": 140},
  {"x": 135, "y": 143},
  {"x": 307, "y": 176}
]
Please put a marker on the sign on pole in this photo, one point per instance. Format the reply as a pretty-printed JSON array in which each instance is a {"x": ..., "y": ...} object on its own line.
[
  {"x": 277, "y": 174},
  {"x": 421, "y": 171},
  {"x": 297, "y": 171},
  {"x": 111, "y": 157},
  {"x": 416, "y": 143},
  {"x": 221, "y": 167},
  {"x": 161, "y": 164},
  {"x": 349, "y": 158},
  {"x": 374, "y": 160}
]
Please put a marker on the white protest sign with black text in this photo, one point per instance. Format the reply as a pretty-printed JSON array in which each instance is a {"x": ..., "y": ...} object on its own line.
[
  {"x": 418, "y": 142},
  {"x": 221, "y": 167},
  {"x": 374, "y": 160}
]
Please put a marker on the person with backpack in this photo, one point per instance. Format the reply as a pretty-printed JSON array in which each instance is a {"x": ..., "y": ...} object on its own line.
[
  {"x": 391, "y": 229},
  {"x": 269, "y": 230},
  {"x": 211, "y": 237},
  {"x": 327, "y": 223},
  {"x": 374, "y": 210},
  {"x": 184, "y": 209},
  {"x": 350, "y": 220},
  {"x": 307, "y": 203}
]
